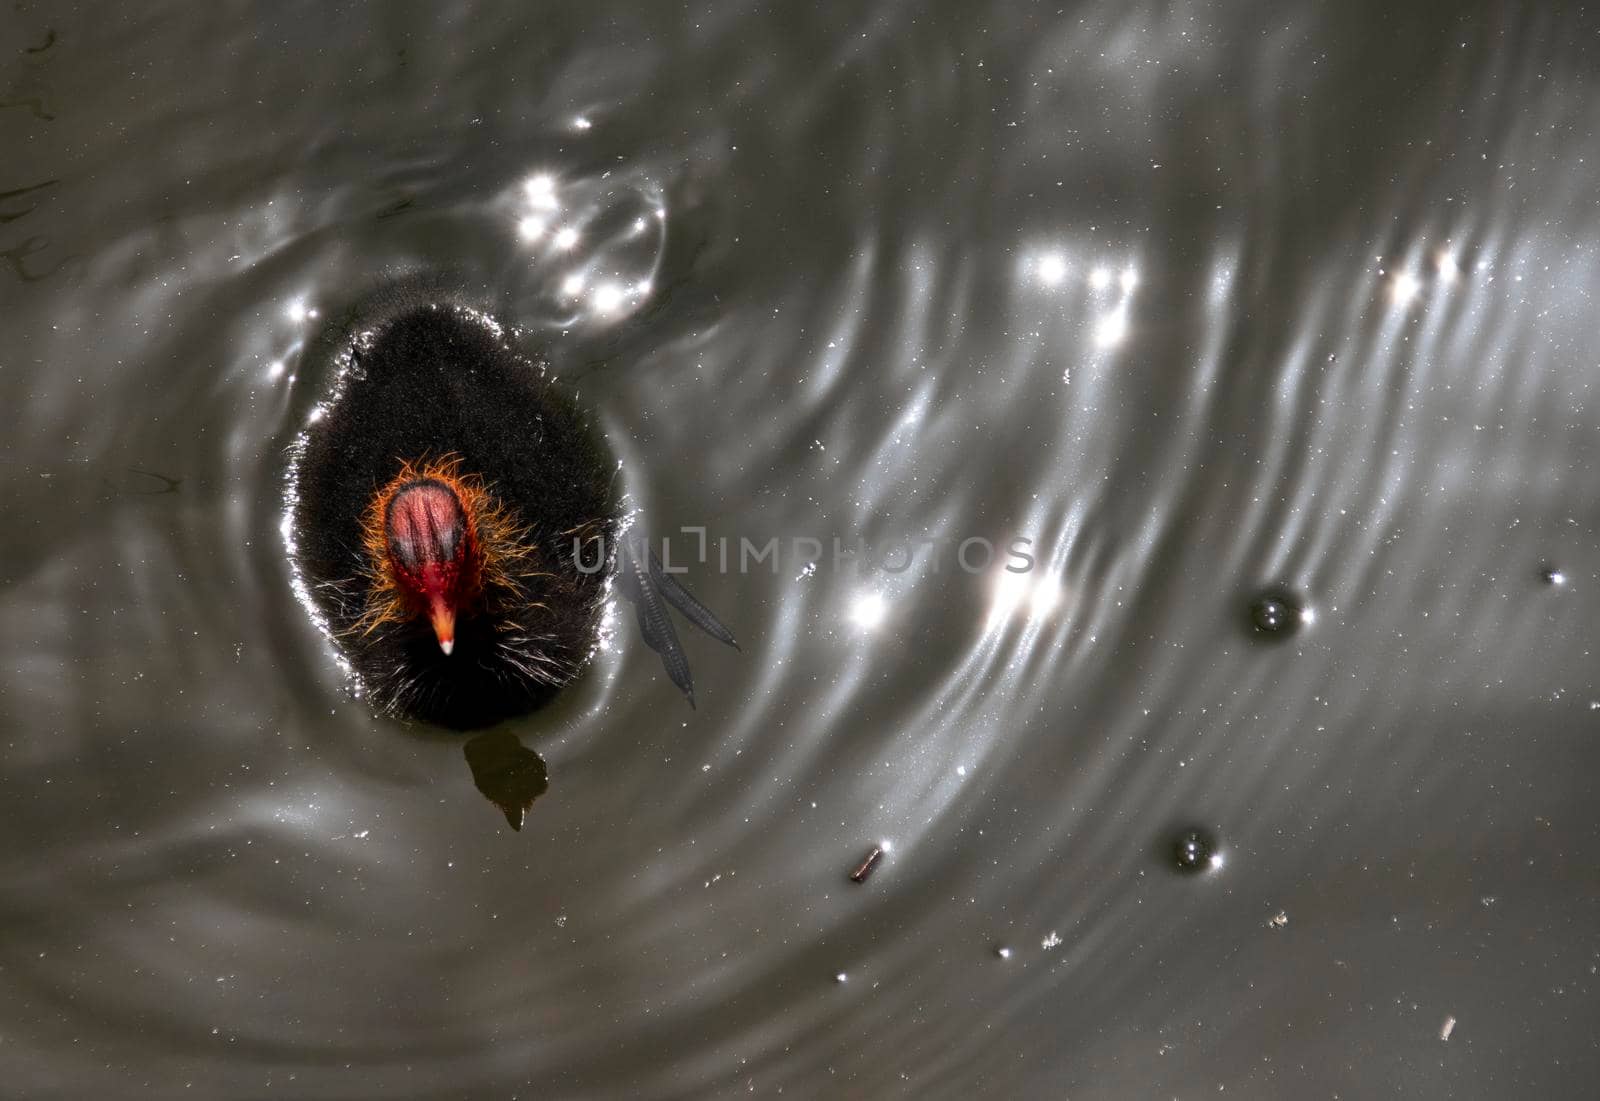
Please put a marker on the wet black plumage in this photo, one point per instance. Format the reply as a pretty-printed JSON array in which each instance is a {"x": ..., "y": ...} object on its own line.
[{"x": 428, "y": 378}]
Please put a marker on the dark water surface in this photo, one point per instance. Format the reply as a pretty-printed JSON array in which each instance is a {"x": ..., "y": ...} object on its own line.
[{"x": 1210, "y": 301}]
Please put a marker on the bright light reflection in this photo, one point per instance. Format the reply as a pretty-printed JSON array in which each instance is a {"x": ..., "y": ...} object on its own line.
[
  {"x": 297, "y": 310},
  {"x": 1023, "y": 593},
  {"x": 869, "y": 610},
  {"x": 572, "y": 285},
  {"x": 1009, "y": 591},
  {"x": 581, "y": 124},
  {"x": 1405, "y": 288},
  {"x": 1447, "y": 267},
  {"x": 1052, "y": 269},
  {"x": 1112, "y": 328},
  {"x": 532, "y": 227},
  {"x": 1100, "y": 279},
  {"x": 1045, "y": 597},
  {"x": 275, "y": 369},
  {"x": 566, "y": 238},
  {"x": 1130, "y": 279},
  {"x": 607, "y": 297},
  {"x": 541, "y": 192}
]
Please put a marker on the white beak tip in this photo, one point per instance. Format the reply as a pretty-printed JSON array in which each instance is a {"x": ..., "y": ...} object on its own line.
[{"x": 447, "y": 645}]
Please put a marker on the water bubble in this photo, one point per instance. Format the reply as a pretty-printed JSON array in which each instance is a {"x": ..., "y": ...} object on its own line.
[
  {"x": 1276, "y": 613},
  {"x": 1195, "y": 850}
]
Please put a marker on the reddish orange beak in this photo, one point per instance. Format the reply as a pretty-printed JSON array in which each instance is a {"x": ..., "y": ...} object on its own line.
[{"x": 443, "y": 618}]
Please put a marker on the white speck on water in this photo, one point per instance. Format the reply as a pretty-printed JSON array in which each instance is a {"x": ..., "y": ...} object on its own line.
[
  {"x": 1051, "y": 941},
  {"x": 841, "y": 977},
  {"x": 1447, "y": 1028},
  {"x": 1003, "y": 952},
  {"x": 561, "y": 921}
]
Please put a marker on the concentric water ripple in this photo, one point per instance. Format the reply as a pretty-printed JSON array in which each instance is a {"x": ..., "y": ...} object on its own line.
[{"x": 1208, "y": 305}]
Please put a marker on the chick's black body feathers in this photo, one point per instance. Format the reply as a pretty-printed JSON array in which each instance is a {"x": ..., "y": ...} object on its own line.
[{"x": 426, "y": 380}]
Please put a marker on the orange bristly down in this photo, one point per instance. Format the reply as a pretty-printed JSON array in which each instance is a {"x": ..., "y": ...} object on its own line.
[{"x": 438, "y": 544}]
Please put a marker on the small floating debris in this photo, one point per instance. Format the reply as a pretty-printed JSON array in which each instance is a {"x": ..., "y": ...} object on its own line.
[
  {"x": 868, "y": 863},
  {"x": 1003, "y": 952},
  {"x": 1552, "y": 576},
  {"x": 841, "y": 977},
  {"x": 1279, "y": 919},
  {"x": 1052, "y": 941},
  {"x": 1447, "y": 1028}
]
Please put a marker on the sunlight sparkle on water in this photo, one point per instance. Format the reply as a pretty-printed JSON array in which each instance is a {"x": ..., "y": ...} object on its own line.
[
  {"x": 1405, "y": 288},
  {"x": 541, "y": 192},
  {"x": 1045, "y": 597},
  {"x": 1100, "y": 278},
  {"x": 1052, "y": 269},
  {"x": 607, "y": 297},
  {"x": 532, "y": 228},
  {"x": 1017, "y": 594},
  {"x": 566, "y": 238},
  {"x": 1112, "y": 328},
  {"x": 869, "y": 610}
]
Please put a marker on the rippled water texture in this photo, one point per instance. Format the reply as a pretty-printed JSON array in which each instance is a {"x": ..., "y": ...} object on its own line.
[{"x": 1216, "y": 303}]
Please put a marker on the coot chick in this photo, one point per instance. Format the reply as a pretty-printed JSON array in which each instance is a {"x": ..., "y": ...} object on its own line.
[{"x": 454, "y": 516}]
